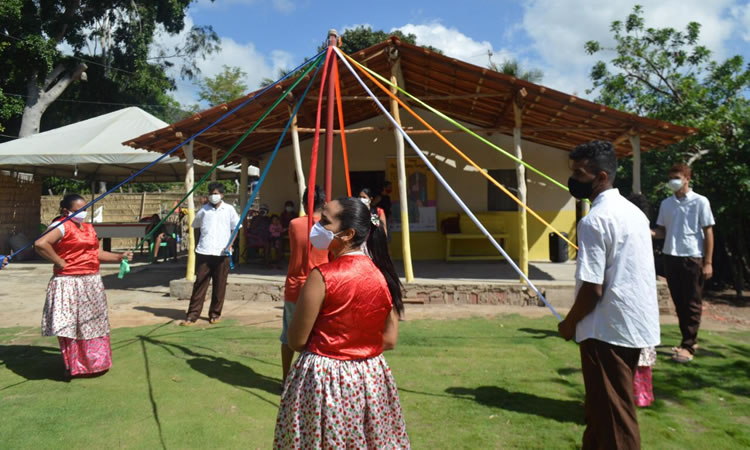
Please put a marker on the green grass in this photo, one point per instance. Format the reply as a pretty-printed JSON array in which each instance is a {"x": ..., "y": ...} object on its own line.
[{"x": 476, "y": 383}]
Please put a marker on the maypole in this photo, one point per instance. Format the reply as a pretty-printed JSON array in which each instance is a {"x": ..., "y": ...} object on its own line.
[{"x": 332, "y": 38}]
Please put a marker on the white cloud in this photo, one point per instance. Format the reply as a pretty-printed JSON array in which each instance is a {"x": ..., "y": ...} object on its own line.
[
  {"x": 559, "y": 30},
  {"x": 246, "y": 56},
  {"x": 454, "y": 43},
  {"x": 741, "y": 14},
  {"x": 283, "y": 6}
]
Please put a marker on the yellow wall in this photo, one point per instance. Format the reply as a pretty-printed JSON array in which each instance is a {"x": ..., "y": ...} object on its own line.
[{"x": 367, "y": 151}]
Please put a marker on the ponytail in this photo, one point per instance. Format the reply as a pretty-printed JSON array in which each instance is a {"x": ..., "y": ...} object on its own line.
[
  {"x": 377, "y": 246},
  {"x": 368, "y": 229}
]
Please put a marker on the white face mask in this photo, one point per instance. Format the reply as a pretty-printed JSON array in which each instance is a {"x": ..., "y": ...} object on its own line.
[
  {"x": 214, "y": 198},
  {"x": 289, "y": 209},
  {"x": 78, "y": 218},
  {"x": 675, "y": 184},
  {"x": 366, "y": 201},
  {"x": 320, "y": 237}
]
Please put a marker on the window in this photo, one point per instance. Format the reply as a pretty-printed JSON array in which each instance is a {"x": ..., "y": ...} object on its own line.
[{"x": 498, "y": 200}]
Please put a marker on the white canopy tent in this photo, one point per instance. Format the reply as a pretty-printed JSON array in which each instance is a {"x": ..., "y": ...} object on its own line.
[{"x": 92, "y": 150}]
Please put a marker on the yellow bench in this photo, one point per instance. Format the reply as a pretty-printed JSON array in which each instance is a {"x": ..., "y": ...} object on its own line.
[{"x": 449, "y": 238}]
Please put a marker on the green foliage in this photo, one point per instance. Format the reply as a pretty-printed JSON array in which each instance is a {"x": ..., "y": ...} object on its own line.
[
  {"x": 224, "y": 87},
  {"x": 116, "y": 39},
  {"x": 514, "y": 68},
  {"x": 665, "y": 74}
]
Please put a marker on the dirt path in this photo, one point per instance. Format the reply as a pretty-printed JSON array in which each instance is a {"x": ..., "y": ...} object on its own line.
[{"x": 143, "y": 299}]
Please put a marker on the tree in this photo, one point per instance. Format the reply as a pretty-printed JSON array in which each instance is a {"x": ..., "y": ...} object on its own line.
[
  {"x": 113, "y": 51},
  {"x": 513, "y": 68},
  {"x": 665, "y": 74},
  {"x": 361, "y": 37},
  {"x": 224, "y": 87}
]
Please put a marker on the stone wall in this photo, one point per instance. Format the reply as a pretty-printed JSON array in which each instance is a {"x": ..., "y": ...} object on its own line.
[{"x": 19, "y": 209}]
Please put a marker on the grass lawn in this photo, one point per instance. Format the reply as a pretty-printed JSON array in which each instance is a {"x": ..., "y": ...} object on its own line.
[{"x": 507, "y": 382}]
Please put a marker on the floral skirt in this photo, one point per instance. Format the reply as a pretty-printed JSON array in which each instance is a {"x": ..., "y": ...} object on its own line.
[
  {"x": 86, "y": 356},
  {"x": 642, "y": 387},
  {"x": 329, "y": 403},
  {"x": 76, "y": 307}
]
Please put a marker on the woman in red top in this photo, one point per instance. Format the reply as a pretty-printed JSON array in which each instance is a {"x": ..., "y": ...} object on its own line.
[
  {"x": 340, "y": 392},
  {"x": 76, "y": 306}
]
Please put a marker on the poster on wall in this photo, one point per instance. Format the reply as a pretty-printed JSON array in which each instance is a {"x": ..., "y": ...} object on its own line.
[{"x": 421, "y": 195}]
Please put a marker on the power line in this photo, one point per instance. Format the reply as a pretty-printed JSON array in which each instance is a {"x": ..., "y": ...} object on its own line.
[{"x": 91, "y": 102}]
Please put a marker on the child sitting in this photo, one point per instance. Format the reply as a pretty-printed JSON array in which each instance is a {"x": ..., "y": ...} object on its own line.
[{"x": 275, "y": 230}]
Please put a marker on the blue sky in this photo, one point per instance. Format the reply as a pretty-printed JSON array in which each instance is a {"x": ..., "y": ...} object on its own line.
[{"x": 261, "y": 36}]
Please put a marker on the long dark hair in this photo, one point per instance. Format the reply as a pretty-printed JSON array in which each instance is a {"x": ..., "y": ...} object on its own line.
[
  {"x": 67, "y": 203},
  {"x": 355, "y": 215},
  {"x": 368, "y": 192}
]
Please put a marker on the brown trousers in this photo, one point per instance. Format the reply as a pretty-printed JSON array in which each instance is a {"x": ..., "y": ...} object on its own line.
[
  {"x": 685, "y": 280},
  {"x": 213, "y": 269},
  {"x": 611, "y": 421}
]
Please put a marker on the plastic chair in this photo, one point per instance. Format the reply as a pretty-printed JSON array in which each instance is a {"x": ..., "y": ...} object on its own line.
[{"x": 162, "y": 244}]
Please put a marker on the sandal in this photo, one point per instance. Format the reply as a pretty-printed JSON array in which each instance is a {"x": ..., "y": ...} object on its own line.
[
  {"x": 682, "y": 356},
  {"x": 187, "y": 323},
  {"x": 214, "y": 321}
]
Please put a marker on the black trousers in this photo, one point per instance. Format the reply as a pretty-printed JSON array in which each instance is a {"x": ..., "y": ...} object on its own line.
[
  {"x": 208, "y": 269},
  {"x": 685, "y": 280}
]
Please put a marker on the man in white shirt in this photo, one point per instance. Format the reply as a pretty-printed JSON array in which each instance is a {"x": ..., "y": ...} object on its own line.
[
  {"x": 616, "y": 312},
  {"x": 216, "y": 221},
  {"x": 686, "y": 223}
]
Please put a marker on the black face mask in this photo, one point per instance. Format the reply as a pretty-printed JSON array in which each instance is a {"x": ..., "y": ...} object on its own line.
[{"x": 579, "y": 189}]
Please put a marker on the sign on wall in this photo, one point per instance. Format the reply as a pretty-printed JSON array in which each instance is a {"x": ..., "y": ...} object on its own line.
[{"x": 421, "y": 195}]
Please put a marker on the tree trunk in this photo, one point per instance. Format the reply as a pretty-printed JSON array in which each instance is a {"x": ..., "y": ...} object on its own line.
[{"x": 40, "y": 97}]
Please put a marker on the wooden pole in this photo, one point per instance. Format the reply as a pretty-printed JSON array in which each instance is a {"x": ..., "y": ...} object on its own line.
[
  {"x": 401, "y": 169},
  {"x": 143, "y": 206},
  {"x": 214, "y": 155},
  {"x": 332, "y": 38},
  {"x": 244, "y": 165},
  {"x": 523, "y": 238},
  {"x": 189, "y": 181},
  {"x": 297, "y": 161},
  {"x": 635, "y": 142}
]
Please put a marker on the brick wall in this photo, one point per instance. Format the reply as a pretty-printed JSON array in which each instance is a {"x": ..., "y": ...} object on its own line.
[
  {"x": 124, "y": 208},
  {"x": 19, "y": 209}
]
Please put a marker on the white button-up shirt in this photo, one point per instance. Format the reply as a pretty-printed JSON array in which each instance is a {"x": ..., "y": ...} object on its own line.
[
  {"x": 216, "y": 225},
  {"x": 683, "y": 220},
  {"x": 615, "y": 251}
]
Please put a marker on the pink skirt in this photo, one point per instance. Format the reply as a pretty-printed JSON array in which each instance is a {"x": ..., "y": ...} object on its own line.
[
  {"x": 86, "y": 356},
  {"x": 642, "y": 387},
  {"x": 328, "y": 403}
]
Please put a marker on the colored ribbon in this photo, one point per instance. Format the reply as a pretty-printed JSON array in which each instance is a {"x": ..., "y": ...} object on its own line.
[
  {"x": 449, "y": 188},
  {"x": 465, "y": 157}
]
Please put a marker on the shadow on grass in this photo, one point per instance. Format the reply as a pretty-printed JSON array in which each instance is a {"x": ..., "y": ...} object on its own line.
[
  {"x": 32, "y": 362},
  {"x": 169, "y": 313},
  {"x": 225, "y": 370},
  {"x": 521, "y": 402},
  {"x": 540, "y": 333}
]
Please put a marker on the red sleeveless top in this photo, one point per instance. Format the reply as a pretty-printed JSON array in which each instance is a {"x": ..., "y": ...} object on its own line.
[
  {"x": 79, "y": 247},
  {"x": 357, "y": 303}
]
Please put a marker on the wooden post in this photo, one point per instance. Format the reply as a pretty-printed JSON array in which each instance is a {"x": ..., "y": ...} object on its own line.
[
  {"x": 401, "y": 168},
  {"x": 244, "y": 164},
  {"x": 332, "y": 39},
  {"x": 635, "y": 142},
  {"x": 214, "y": 155},
  {"x": 523, "y": 238},
  {"x": 297, "y": 161},
  {"x": 189, "y": 181},
  {"x": 143, "y": 207}
]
